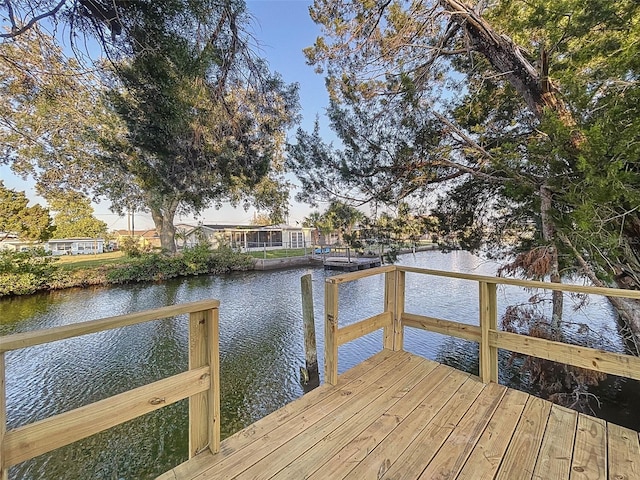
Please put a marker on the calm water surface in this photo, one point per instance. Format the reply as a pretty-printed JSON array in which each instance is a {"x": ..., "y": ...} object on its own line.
[{"x": 261, "y": 352}]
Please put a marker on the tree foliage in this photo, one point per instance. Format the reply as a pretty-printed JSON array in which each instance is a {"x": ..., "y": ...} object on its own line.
[
  {"x": 525, "y": 113},
  {"x": 185, "y": 117},
  {"x": 74, "y": 217},
  {"x": 18, "y": 218}
]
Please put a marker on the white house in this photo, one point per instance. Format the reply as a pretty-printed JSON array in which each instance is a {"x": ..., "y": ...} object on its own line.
[
  {"x": 75, "y": 246},
  {"x": 15, "y": 245},
  {"x": 251, "y": 237}
]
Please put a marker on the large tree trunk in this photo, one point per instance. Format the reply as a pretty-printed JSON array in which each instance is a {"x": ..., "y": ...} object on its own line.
[{"x": 163, "y": 214}]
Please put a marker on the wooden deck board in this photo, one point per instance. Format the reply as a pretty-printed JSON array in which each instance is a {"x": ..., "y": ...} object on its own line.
[{"x": 399, "y": 416}]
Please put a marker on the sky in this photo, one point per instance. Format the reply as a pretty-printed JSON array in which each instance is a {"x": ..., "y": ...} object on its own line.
[{"x": 282, "y": 29}]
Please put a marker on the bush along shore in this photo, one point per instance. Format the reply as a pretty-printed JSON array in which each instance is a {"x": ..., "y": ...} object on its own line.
[{"x": 23, "y": 273}]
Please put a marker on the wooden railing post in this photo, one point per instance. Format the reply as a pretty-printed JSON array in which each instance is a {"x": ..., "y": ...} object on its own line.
[
  {"x": 331, "y": 333},
  {"x": 4, "y": 468},
  {"x": 394, "y": 303},
  {"x": 204, "y": 408},
  {"x": 389, "y": 306},
  {"x": 488, "y": 321},
  {"x": 398, "y": 341}
]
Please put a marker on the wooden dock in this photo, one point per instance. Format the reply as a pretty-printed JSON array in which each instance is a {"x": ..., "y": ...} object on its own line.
[
  {"x": 350, "y": 264},
  {"x": 400, "y": 416}
]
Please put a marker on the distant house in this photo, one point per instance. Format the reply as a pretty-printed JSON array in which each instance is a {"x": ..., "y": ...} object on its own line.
[
  {"x": 75, "y": 246},
  {"x": 145, "y": 237},
  {"x": 14, "y": 245},
  {"x": 251, "y": 237}
]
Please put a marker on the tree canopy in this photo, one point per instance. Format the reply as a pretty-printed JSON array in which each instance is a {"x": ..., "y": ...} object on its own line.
[
  {"x": 183, "y": 117},
  {"x": 522, "y": 116},
  {"x": 17, "y": 218},
  {"x": 73, "y": 217}
]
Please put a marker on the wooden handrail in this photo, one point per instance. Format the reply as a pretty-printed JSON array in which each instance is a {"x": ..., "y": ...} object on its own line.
[
  {"x": 200, "y": 383},
  {"x": 486, "y": 334}
]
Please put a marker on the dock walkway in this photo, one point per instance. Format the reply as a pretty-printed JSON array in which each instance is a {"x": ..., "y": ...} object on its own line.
[{"x": 400, "y": 416}]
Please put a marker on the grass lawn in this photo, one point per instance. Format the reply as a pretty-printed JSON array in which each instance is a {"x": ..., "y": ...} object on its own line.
[{"x": 77, "y": 262}]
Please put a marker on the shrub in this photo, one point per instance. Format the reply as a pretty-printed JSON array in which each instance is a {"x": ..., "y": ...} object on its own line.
[{"x": 26, "y": 272}]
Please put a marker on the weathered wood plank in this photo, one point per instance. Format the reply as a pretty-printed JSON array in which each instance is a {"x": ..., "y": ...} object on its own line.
[
  {"x": 347, "y": 458},
  {"x": 409, "y": 431},
  {"x": 45, "y": 435},
  {"x": 554, "y": 459},
  {"x": 307, "y": 410},
  {"x": 590, "y": 450},
  {"x": 488, "y": 452},
  {"x": 448, "y": 462},
  {"x": 624, "y": 453},
  {"x": 584, "y": 357},
  {"x": 445, "y": 327},
  {"x": 29, "y": 339},
  {"x": 522, "y": 454},
  {"x": 364, "y": 327}
]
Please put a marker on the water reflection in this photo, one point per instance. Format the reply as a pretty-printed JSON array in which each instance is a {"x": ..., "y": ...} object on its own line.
[{"x": 261, "y": 351}]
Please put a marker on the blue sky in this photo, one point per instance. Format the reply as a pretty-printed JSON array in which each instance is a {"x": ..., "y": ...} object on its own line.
[{"x": 282, "y": 28}]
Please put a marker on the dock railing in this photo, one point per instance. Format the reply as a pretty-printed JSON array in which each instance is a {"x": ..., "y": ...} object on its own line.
[
  {"x": 394, "y": 318},
  {"x": 200, "y": 383}
]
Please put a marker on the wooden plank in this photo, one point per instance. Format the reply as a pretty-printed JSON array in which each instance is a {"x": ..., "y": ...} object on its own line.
[
  {"x": 484, "y": 460},
  {"x": 310, "y": 453},
  {"x": 198, "y": 404},
  {"x": 306, "y": 410},
  {"x": 29, "y": 339},
  {"x": 43, "y": 436},
  {"x": 554, "y": 460},
  {"x": 624, "y": 453},
  {"x": 389, "y": 307},
  {"x": 590, "y": 450},
  {"x": 398, "y": 328},
  {"x": 488, "y": 322},
  {"x": 320, "y": 423},
  {"x": 359, "y": 447},
  {"x": 445, "y": 327},
  {"x": 411, "y": 463},
  {"x": 215, "y": 414},
  {"x": 521, "y": 456},
  {"x": 4, "y": 466},
  {"x": 562, "y": 287},
  {"x": 331, "y": 333},
  {"x": 410, "y": 431},
  {"x": 350, "y": 277},
  {"x": 448, "y": 462},
  {"x": 364, "y": 327},
  {"x": 584, "y": 357}
]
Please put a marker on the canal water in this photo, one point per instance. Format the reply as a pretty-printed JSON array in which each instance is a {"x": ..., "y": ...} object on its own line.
[{"x": 261, "y": 343}]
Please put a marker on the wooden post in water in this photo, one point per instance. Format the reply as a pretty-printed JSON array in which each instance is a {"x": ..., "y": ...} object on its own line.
[{"x": 310, "y": 376}]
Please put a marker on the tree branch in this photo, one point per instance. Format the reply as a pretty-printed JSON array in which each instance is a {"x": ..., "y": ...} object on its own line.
[{"x": 15, "y": 31}]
